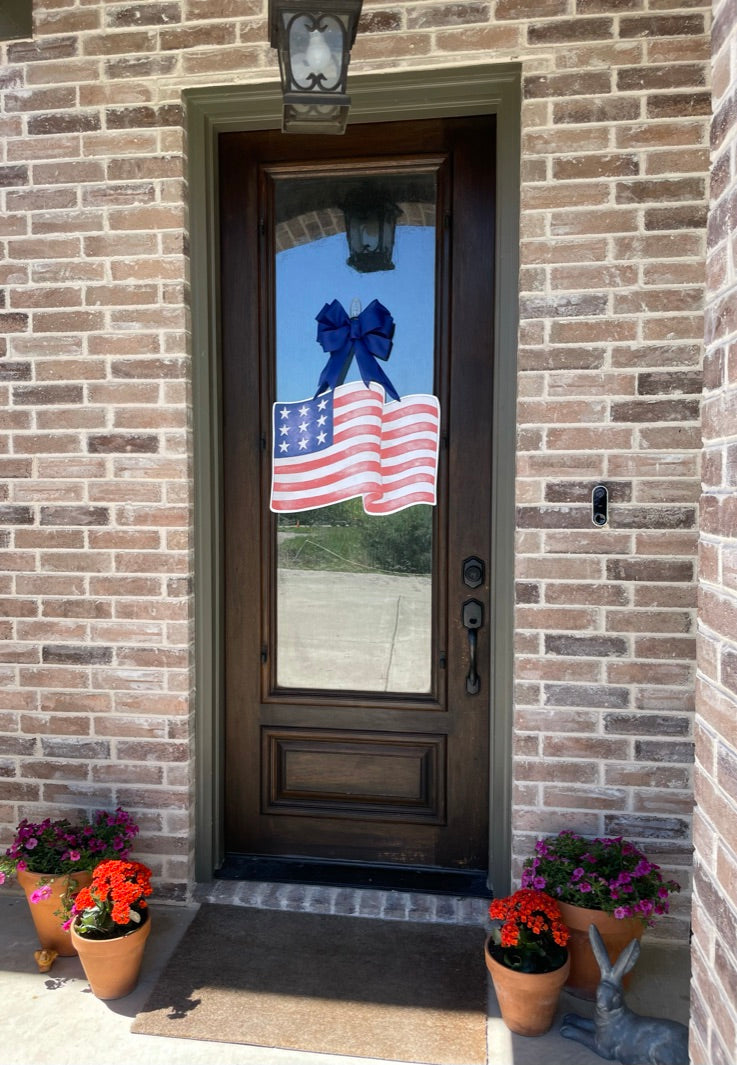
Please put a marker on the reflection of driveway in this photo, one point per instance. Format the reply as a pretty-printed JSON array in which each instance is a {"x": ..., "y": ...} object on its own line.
[{"x": 365, "y": 631}]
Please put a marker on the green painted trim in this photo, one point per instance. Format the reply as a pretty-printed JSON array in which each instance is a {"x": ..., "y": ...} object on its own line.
[
  {"x": 16, "y": 19},
  {"x": 398, "y": 96}
]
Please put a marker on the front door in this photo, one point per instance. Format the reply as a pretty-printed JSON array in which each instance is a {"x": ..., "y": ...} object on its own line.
[{"x": 356, "y": 328}]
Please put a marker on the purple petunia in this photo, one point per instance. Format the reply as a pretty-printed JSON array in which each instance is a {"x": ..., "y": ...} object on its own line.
[{"x": 41, "y": 893}]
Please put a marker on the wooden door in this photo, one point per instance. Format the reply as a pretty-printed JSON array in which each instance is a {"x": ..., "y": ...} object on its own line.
[{"x": 356, "y": 727}]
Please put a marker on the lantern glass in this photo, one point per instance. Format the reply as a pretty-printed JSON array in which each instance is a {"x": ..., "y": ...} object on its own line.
[
  {"x": 315, "y": 116},
  {"x": 316, "y": 46}
]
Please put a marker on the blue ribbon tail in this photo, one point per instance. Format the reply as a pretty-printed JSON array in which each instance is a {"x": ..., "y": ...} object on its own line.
[
  {"x": 371, "y": 371},
  {"x": 332, "y": 372}
]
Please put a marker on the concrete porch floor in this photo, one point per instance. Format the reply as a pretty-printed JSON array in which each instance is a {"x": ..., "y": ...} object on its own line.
[{"x": 53, "y": 1019}]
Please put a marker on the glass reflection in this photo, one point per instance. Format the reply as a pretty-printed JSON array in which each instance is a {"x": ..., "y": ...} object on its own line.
[{"x": 354, "y": 591}]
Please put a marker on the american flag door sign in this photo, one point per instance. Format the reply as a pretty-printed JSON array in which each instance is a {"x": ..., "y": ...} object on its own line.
[{"x": 348, "y": 441}]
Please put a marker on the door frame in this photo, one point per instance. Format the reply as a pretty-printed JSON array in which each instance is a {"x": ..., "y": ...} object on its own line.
[{"x": 405, "y": 95}]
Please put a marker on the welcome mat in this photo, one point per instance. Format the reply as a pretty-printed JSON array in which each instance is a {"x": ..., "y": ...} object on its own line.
[{"x": 324, "y": 983}]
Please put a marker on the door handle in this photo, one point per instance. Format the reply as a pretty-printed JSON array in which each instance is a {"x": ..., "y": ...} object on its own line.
[{"x": 472, "y": 616}]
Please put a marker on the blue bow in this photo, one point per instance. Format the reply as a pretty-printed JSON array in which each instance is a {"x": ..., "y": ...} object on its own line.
[{"x": 368, "y": 337}]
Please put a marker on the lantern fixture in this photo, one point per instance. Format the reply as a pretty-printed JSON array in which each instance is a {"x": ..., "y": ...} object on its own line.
[
  {"x": 314, "y": 42},
  {"x": 370, "y": 222}
]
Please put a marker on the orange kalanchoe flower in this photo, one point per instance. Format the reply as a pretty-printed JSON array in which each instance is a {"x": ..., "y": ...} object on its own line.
[
  {"x": 114, "y": 900},
  {"x": 532, "y": 936}
]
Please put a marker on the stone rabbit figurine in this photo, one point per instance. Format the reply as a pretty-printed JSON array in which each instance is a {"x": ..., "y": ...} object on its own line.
[{"x": 617, "y": 1033}]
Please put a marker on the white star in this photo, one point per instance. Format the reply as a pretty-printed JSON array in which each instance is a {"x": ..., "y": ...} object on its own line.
[
  {"x": 284, "y": 412},
  {"x": 284, "y": 430},
  {"x": 322, "y": 419},
  {"x": 303, "y": 427},
  {"x": 302, "y": 445},
  {"x": 321, "y": 438},
  {"x": 284, "y": 446},
  {"x": 303, "y": 411},
  {"x": 322, "y": 404}
]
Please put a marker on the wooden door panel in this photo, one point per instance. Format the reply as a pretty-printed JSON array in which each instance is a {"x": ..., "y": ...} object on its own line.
[
  {"x": 353, "y": 774},
  {"x": 346, "y": 772}
]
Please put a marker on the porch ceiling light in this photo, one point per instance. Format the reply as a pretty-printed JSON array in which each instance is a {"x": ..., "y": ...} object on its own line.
[{"x": 314, "y": 42}]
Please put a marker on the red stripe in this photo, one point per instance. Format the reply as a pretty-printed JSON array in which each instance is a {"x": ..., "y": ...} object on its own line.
[
  {"x": 374, "y": 506},
  {"x": 297, "y": 463},
  {"x": 412, "y": 409},
  {"x": 329, "y": 478}
]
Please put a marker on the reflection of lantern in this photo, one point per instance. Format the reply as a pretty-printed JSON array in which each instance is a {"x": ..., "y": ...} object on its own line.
[
  {"x": 314, "y": 41},
  {"x": 370, "y": 220}
]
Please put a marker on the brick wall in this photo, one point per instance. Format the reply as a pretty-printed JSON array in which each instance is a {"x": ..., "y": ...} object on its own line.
[
  {"x": 714, "y": 1030},
  {"x": 96, "y": 494}
]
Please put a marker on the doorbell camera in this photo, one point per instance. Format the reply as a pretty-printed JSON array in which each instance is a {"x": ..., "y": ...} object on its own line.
[{"x": 600, "y": 505}]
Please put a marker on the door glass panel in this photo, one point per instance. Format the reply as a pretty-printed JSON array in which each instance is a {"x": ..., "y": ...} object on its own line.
[{"x": 353, "y": 589}]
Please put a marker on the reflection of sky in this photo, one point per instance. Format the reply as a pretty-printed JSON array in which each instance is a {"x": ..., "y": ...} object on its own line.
[{"x": 313, "y": 274}]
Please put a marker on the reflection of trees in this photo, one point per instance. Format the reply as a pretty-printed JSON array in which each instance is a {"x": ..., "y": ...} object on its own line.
[{"x": 345, "y": 537}]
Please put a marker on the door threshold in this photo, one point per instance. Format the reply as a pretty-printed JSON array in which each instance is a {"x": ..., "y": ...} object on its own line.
[{"x": 468, "y": 883}]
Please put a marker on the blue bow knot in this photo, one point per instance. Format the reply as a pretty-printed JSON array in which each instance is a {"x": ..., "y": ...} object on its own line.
[{"x": 368, "y": 337}]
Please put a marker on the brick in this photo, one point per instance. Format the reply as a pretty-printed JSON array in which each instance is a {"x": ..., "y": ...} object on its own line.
[
  {"x": 593, "y": 83},
  {"x": 42, "y": 50},
  {"x": 661, "y": 25},
  {"x": 672, "y": 76},
  {"x": 74, "y": 515},
  {"x": 122, "y": 442},
  {"x": 73, "y": 748},
  {"x": 570, "y": 30},
  {"x": 15, "y": 515},
  {"x": 425, "y": 17},
  {"x": 149, "y": 14},
  {"x": 79, "y": 122},
  {"x": 79, "y": 656},
  {"x": 380, "y": 21},
  {"x": 590, "y": 695},
  {"x": 589, "y": 646},
  {"x": 13, "y": 176},
  {"x": 613, "y": 109}
]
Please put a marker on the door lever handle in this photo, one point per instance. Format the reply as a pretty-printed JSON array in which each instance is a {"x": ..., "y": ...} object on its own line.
[{"x": 472, "y": 616}]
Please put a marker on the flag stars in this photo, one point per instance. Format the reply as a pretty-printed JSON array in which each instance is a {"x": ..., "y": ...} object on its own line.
[{"x": 301, "y": 427}]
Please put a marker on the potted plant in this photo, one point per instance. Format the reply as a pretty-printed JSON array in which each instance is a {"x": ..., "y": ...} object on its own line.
[
  {"x": 527, "y": 958},
  {"x": 110, "y": 924},
  {"x": 607, "y": 882},
  {"x": 52, "y": 860}
]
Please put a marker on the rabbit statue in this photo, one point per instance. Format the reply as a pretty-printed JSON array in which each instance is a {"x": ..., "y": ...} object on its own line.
[{"x": 617, "y": 1033}]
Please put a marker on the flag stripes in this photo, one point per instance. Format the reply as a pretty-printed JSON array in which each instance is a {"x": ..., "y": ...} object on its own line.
[{"x": 349, "y": 443}]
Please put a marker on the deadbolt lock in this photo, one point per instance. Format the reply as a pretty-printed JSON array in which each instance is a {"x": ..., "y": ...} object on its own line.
[{"x": 473, "y": 572}]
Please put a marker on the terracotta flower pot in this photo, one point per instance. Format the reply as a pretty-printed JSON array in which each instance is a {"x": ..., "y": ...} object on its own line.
[
  {"x": 616, "y": 934},
  {"x": 527, "y": 1001},
  {"x": 48, "y": 924},
  {"x": 112, "y": 966}
]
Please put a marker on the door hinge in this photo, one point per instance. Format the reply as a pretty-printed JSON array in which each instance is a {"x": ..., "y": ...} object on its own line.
[
  {"x": 264, "y": 653},
  {"x": 443, "y": 662},
  {"x": 262, "y": 441},
  {"x": 447, "y": 220},
  {"x": 261, "y": 226}
]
